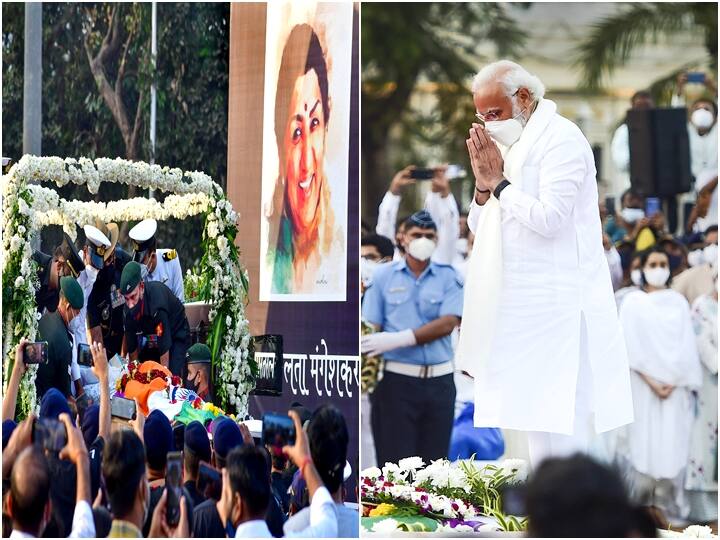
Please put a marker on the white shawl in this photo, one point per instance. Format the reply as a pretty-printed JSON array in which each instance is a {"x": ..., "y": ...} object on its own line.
[
  {"x": 485, "y": 268},
  {"x": 659, "y": 337}
]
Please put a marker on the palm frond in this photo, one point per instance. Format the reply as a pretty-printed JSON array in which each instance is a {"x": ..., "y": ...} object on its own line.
[{"x": 612, "y": 40}]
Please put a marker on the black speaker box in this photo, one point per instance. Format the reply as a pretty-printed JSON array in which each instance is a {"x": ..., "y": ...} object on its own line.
[{"x": 659, "y": 152}]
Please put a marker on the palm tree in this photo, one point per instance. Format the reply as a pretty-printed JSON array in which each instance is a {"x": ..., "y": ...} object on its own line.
[{"x": 612, "y": 40}]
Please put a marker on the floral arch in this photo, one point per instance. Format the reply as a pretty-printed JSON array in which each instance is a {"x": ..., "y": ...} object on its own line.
[{"x": 223, "y": 282}]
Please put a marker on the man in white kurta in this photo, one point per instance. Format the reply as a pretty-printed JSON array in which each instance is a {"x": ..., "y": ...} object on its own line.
[{"x": 540, "y": 332}]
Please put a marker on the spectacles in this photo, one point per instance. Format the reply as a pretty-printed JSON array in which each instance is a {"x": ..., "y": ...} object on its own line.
[{"x": 492, "y": 116}]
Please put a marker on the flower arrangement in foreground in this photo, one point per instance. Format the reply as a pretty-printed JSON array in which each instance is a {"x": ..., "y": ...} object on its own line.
[
  {"x": 27, "y": 208},
  {"x": 442, "y": 496}
]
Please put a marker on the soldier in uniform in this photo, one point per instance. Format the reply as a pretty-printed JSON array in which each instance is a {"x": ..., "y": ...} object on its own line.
[
  {"x": 199, "y": 362},
  {"x": 161, "y": 265},
  {"x": 105, "y": 303},
  {"x": 54, "y": 327},
  {"x": 64, "y": 262},
  {"x": 156, "y": 327}
]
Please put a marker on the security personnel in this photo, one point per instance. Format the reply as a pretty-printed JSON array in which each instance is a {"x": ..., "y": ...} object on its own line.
[
  {"x": 64, "y": 262},
  {"x": 156, "y": 327},
  {"x": 161, "y": 265},
  {"x": 198, "y": 370},
  {"x": 54, "y": 327},
  {"x": 105, "y": 303},
  {"x": 415, "y": 304}
]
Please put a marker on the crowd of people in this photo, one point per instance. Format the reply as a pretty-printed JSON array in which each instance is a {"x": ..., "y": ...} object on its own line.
[
  {"x": 664, "y": 277},
  {"x": 83, "y": 474},
  {"x": 76, "y": 469}
]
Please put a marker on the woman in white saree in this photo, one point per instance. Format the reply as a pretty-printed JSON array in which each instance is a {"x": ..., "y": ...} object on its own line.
[{"x": 665, "y": 373}]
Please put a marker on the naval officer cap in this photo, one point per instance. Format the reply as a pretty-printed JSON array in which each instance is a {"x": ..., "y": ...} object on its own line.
[
  {"x": 142, "y": 236},
  {"x": 130, "y": 278},
  {"x": 198, "y": 354},
  {"x": 421, "y": 219},
  {"x": 72, "y": 291},
  {"x": 98, "y": 244}
]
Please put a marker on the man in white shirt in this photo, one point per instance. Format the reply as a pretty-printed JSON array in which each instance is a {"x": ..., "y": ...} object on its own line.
[
  {"x": 439, "y": 202},
  {"x": 540, "y": 332}
]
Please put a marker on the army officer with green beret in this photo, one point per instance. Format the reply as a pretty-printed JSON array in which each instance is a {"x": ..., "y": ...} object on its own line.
[
  {"x": 156, "y": 327},
  {"x": 199, "y": 361},
  {"x": 54, "y": 327}
]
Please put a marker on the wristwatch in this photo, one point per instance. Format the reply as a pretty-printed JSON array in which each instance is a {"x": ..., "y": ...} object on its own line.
[{"x": 502, "y": 185}]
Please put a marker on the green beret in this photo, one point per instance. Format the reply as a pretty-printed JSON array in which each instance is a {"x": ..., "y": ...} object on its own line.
[
  {"x": 72, "y": 291},
  {"x": 199, "y": 353},
  {"x": 131, "y": 277}
]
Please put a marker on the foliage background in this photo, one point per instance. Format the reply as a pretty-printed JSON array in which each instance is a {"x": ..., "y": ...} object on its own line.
[{"x": 192, "y": 95}]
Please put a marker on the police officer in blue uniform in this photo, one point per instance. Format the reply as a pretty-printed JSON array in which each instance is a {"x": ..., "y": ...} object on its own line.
[{"x": 415, "y": 304}]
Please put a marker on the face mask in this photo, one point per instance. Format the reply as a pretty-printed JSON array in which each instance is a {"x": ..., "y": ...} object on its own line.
[
  {"x": 367, "y": 268},
  {"x": 657, "y": 277},
  {"x": 506, "y": 132},
  {"x": 636, "y": 277},
  {"x": 191, "y": 384},
  {"x": 143, "y": 271},
  {"x": 421, "y": 248},
  {"x": 631, "y": 215},
  {"x": 696, "y": 258},
  {"x": 91, "y": 272},
  {"x": 702, "y": 119},
  {"x": 76, "y": 325},
  {"x": 710, "y": 254}
]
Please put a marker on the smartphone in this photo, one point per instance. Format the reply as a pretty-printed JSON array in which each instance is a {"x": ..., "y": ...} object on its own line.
[
  {"x": 513, "y": 500},
  {"x": 173, "y": 484},
  {"x": 610, "y": 205},
  {"x": 652, "y": 206},
  {"x": 179, "y": 436},
  {"x": 35, "y": 352},
  {"x": 422, "y": 173},
  {"x": 122, "y": 408},
  {"x": 84, "y": 356},
  {"x": 209, "y": 482},
  {"x": 49, "y": 434},
  {"x": 278, "y": 430},
  {"x": 696, "y": 77}
]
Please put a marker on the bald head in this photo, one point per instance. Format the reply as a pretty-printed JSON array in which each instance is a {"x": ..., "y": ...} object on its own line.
[{"x": 29, "y": 491}]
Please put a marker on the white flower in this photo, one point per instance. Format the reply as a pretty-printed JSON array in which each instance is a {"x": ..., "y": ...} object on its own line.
[
  {"x": 698, "y": 531},
  {"x": 212, "y": 229},
  {"x": 19, "y": 282},
  {"x": 411, "y": 463},
  {"x": 371, "y": 472},
  {"x": 222, "y": 244},
  {"x": 516, "y": 467},
  {"x": 386, "y": 526},
  {"x": 390, "y": 469}
]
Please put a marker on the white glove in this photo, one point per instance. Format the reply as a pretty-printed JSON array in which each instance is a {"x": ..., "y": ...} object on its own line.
[{"x": 381, "y": 342}]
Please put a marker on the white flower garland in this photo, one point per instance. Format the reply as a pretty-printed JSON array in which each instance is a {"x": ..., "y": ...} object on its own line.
[{"x": 27, "y": 208}]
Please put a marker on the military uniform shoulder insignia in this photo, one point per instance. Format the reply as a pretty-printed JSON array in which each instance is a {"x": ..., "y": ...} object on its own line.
[{"x": 169, "y": 255}]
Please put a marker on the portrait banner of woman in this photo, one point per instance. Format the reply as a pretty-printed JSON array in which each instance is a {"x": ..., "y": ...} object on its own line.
[{"x": 305, "y": 152}]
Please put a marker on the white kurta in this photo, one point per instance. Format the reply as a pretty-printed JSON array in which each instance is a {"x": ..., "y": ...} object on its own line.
[
  {"x": 554, "y": 271},
  {"x": 661, "y": 344}
]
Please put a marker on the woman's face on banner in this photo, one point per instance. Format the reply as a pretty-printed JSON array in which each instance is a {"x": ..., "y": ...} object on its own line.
[{"x": 304, "y": 150}]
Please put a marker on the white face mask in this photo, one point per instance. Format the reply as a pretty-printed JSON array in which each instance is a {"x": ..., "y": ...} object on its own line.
[
  {"x": 702, "y": 119},
  {"x": 657, "y": 277},
  {"x": 636, "y": 277},
  {"x": 710, "y": 254},
  {"x": 421, "y": 248},
  {"x": 696, "y": 258},
  {"x": 632, "y": 215},
  {"x": 76, "y": 325},
  {"x": 91, "y": 272},
  {"x": 144, "y": 271},
  {"x": 367, "y": 269}
]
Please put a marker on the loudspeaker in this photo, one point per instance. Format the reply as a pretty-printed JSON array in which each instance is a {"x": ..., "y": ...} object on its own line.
[{"x": 659, "y": 152}]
